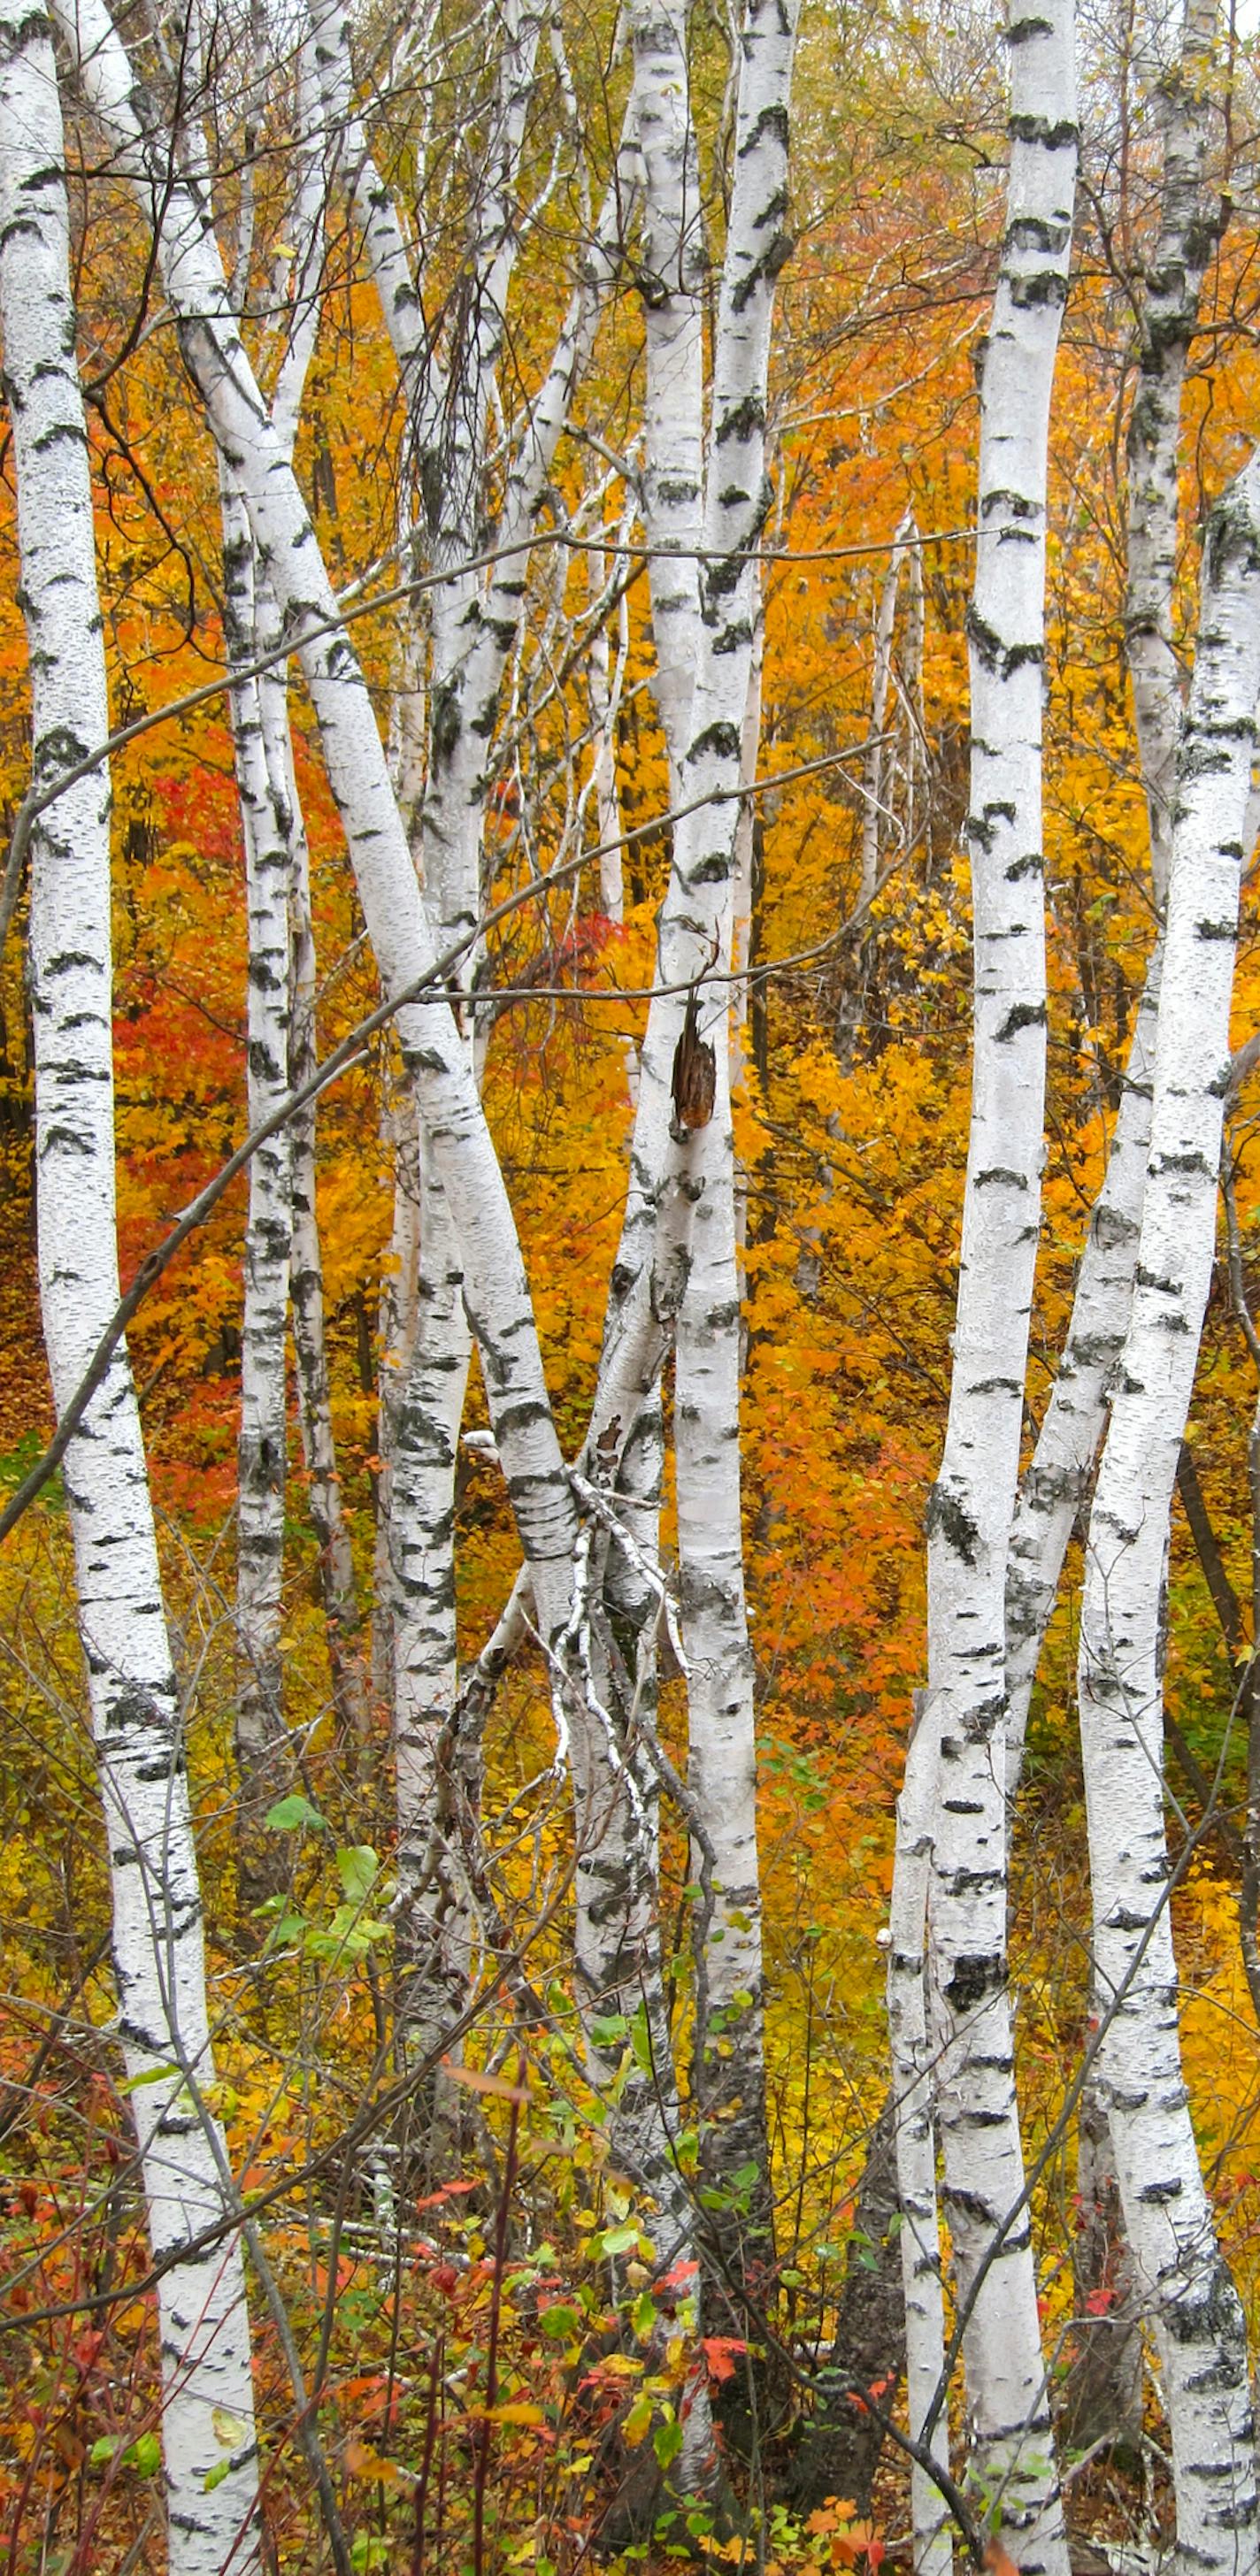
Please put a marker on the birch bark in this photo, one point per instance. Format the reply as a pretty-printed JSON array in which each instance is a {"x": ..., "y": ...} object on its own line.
[
  {"x": 671, "y": 282},
  {"x": 878, "y": 764},
  {"x": 1189, "y": 227},
  {"x": 306, "y": 1291},
  {"x": 914, "y": 2130},
  {"x": 306, "y": 1269},
  {"x": 207, "y": 2416},
  {"x": 1167, "y": 2214},
  {"x": 261, "y": 1738},
  {"x": 972, "y": 1506}
]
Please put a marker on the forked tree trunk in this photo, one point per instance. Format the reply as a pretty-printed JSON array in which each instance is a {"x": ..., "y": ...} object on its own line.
[
  {"x": 207, "y": 2397},
  {"x": 1168, "y": 2217},
  {"x": 972, "y": 1506}
]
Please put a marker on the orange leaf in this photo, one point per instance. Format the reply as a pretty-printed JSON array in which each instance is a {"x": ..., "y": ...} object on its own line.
[{"x": 476, "y": 2082}]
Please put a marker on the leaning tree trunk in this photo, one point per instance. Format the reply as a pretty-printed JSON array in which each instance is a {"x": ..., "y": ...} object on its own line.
[
  {"x": 207, "y": 2408},
  {"x": 973, "y": 1502},
  {"x": 1167, "y": 2214}
]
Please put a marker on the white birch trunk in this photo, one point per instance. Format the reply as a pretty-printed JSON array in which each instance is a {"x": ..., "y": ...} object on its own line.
[
  {"x": 261, "y": 1738},
  {"x": 877, "y": 767},
  {"x": 306, "y": 1269},
  {"x": 1056, "y": 1480},
  {"x": 699, "y": 915},
  {"x": 1187, "y": 237},
  {"x": 972, "y": 1506},
  {"x": 1168, "y": 2218},
  {"x": 306, "y": 1290},
  {"x": 396, "y": 1330},
  {"x": 207, "y": 2418},
  {"x": 914, "y": 2132},
  {"x": 604, "y": 690},
  {"x": 671, "y": 282},
  {"x": 433, "y": 1918}
]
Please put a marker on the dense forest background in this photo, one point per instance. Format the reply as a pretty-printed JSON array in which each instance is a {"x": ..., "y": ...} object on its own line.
[{"x": 473, "y": 2332}]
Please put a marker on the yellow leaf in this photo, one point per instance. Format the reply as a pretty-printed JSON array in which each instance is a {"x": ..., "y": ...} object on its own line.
[
  {"x": 361, "y": 2461},
  {"x": 638, "y": 2423}
]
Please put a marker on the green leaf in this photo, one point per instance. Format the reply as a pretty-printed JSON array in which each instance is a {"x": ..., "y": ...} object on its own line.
[
  {"x": 214, "y": 2477},
  {"x": 104, "y": 2449},
  {"x": 619, "y": 2240},
  {"x": 145, "y": 2454},
  {"x": 608, "y": 2028},
  {"x": 291, "y": 1812},
  {"x": 667, "y": 2441},
  {"x": 643, "y": 2314},
  {"x": 560, "y": 2322},
  {"x": 151, "y": 2075},
  {"x": 357, "y": 1865},
  {"x": 641, "y": 2041}
]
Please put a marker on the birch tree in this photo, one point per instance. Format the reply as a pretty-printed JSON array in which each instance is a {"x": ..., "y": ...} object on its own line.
[
  {"x": 163, "y": 2026},
  {"x": 1167, "y": 2214},
  {"x": 262, "y": 1449},
  {"x": 1105, "y": 2395},
  {"x": 972, "y": 1504}
]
